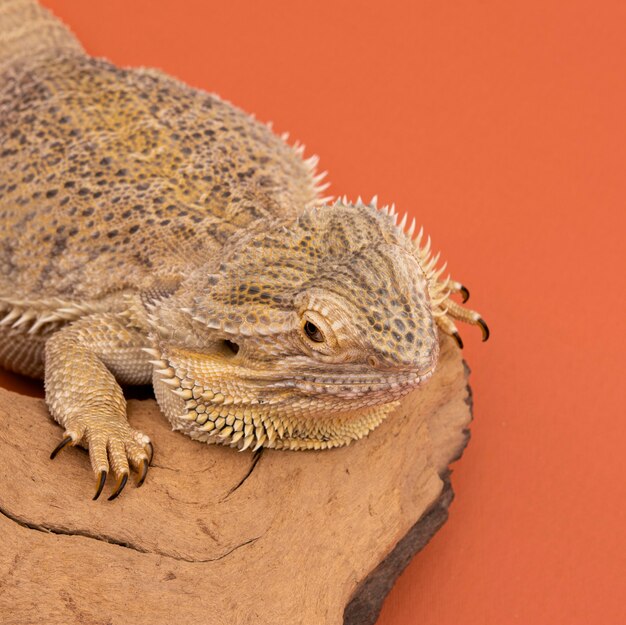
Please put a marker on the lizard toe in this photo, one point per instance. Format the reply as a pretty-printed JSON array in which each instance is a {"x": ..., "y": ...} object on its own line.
[{"x": 139, "y": 456}]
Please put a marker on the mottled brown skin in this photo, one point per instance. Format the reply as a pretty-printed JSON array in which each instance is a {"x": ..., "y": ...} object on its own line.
[{"x": 155, "y": 232}]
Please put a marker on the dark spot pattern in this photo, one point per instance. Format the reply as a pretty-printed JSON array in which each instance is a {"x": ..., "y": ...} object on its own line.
[{"x": 98, "y": 151}]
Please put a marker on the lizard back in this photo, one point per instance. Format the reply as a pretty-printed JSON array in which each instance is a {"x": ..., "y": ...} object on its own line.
[{"x": 110, "y": 176}]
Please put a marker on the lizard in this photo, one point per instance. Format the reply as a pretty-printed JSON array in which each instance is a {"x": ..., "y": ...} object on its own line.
[{"x": 155, "y": 233}]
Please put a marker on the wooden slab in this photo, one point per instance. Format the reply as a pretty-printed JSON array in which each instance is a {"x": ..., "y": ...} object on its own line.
[{"x": 217, "y": 536}]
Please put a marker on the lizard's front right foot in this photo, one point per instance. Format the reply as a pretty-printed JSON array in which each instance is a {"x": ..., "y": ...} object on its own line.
[
  {"x": 445, "y": 309},
  {"x": 112, "y": 445},
  {"x": 448, "y": 310}
]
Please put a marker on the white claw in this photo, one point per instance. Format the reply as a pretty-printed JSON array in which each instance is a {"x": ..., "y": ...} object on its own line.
[
  {"x": 359, "y": 201},
  {"x": 374, "y": 201},
  {"x": 167, "y": 372},
  {"x": 392, "y": 209},
  {"x": 173, "y": 382},
  {"x": 402, "y": 224},
  {"x": 151, "y": 352}
]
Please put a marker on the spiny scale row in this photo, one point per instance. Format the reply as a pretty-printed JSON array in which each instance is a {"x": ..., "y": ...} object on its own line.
[
  {"x": 39, "y": 313},
  {"x": 310, "y": 163},
  {"x": 214, "y": 418},
  {"x": 220, "y": 416}
]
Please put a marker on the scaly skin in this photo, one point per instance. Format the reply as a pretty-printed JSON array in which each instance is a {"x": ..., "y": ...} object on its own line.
[{"x": 153, "y": 232}]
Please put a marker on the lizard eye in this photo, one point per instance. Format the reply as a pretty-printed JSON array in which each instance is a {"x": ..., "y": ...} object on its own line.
[{"x": 313, "y": 332}]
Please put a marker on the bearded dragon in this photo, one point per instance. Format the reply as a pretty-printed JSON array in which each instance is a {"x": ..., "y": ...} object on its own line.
[{"x": 152, "y": 232}]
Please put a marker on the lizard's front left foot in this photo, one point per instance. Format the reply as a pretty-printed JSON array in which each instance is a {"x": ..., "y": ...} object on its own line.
[
  {"x": 85, "y": 399},
  {"x": 113, "y": 445}
]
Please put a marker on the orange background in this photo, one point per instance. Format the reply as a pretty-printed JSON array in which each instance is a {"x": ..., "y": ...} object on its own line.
[{"x": 501, "y": 127}]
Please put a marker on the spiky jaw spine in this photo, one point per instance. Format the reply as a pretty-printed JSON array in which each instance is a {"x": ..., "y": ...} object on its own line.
[{"x": 212, "y": 417}]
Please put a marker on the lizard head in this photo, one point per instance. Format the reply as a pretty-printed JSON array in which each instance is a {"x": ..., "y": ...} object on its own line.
[{"x": 302, "y": 334}]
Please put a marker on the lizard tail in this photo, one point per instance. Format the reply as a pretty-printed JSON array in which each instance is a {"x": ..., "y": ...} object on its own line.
[{"x": 28, "y": 31}]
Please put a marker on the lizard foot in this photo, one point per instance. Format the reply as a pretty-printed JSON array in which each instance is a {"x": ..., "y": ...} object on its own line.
[
  {"x": 447, "y": 310},
  {"x": 450, "y": 310},
  {"x": 112, "y": 446}
]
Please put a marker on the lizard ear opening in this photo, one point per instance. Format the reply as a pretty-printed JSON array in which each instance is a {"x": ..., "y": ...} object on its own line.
[{"x": 229, "y": 347}]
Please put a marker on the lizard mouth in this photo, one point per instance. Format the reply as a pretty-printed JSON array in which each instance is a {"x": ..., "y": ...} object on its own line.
[
  {"x": 187, "y": 377},
  {"x": 395, "y": 386}
]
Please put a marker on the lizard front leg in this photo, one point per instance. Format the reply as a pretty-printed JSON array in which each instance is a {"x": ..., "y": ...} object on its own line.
[{"x": 82, "y": 362}]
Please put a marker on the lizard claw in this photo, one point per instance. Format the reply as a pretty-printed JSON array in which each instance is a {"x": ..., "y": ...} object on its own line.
[
  {"x": 144, "y": 471},
  {"x": 456, "y": 287},
  {"x": 150, "y": 453},
  {"x": 100, "y": 485},
  {"x": 484, "y": 327},
  {"x": 66, "y": 441},
  {"x": 120, "y": 486},
  {"x": 453, "y": 311}
]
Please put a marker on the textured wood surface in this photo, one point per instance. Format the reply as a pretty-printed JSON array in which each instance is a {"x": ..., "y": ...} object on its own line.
[{"x": 221, "y": 537}]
